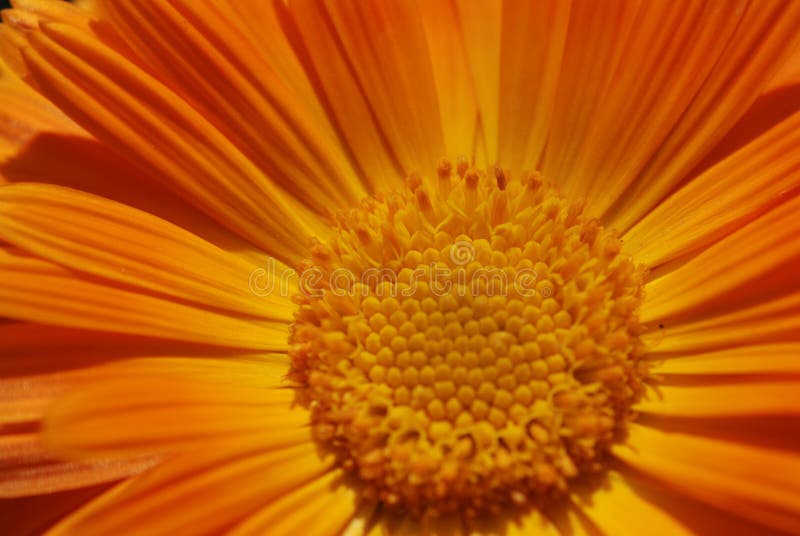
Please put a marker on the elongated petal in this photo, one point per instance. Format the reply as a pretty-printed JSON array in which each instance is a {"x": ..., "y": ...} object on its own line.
[
  {"x": 329, "y": 501},
  {"x": 740, "y": 266},
  {"x": 197, "y": 50},
  {"x": 264, "y": 24},
  {"x": 27, "y": 15},
  {"x": 25, "y": 396},
  {"x": 24, "y": 115},
  {"x": 481, "y": 24},
  {"x": 619, "y": 507},
  {"x": 164, "y": 404},
  {"x": 230, "y": 481},
  {"x": 773, "y": 321},
  {"x": 374, "y": 71},
  {"x": 454, "y": 84},
  {"x": 766, "y": 397},
  {"x": 789, "y": 74},
  {"x": 38, "y": 291},
  {"x": 650, "y": 88},
  {"x": 746, "y": 361},
  {"x": 598, "y": 35},
  {"x": 121, "y": 244},
  {"x": 757, "y": 483},
  {"x": 762, "y": 41},
  {"x": 124, "y": 106},
  {"x": 532, "y": 48},
  {"x": 746, "y": 184},
  {"x": 26, "y": 468}
]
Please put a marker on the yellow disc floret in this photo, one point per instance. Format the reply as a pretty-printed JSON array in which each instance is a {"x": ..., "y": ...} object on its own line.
[{"x": 468, "y": 342}]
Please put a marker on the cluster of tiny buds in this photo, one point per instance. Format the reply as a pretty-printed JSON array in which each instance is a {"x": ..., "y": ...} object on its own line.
[{"x": 442, "y": 388}]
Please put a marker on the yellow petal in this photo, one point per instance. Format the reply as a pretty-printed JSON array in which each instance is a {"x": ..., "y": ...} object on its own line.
[
  {"x": 743, "y": 398},
  {"x": 749, "y": 361},
  {"x": 620, "y": 507},
  {"x": 481, "y": 24},
  {"x": 229, "y": 482},
  {"x": 328, "y": 501},
  {"x": 757, "y": 483}
]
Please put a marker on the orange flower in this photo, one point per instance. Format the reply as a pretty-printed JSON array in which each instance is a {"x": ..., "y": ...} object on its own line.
[{"x": 399, "y": 267}]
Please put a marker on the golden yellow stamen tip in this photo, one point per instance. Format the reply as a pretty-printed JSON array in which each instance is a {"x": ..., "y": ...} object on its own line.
[{"x": 484, "y": 352}]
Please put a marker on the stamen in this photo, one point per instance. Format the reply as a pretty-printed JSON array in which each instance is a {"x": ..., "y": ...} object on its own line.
[{"x": 485, "y": 350}]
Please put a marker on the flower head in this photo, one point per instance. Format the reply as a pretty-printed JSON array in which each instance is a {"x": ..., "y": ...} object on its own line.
[{"x": 396, "y": 267}]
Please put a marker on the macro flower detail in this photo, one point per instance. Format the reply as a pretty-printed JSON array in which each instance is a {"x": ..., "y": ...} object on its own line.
[
  {"x": 482, "y": 348},
  {"x": 387, "y": 267}
]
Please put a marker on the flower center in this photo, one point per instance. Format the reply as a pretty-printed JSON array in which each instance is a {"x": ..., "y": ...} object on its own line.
[{"x": 468, "y": 342}]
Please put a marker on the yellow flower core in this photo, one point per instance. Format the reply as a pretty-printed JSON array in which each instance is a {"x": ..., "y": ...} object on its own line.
[{"x": 468, "y": 342}]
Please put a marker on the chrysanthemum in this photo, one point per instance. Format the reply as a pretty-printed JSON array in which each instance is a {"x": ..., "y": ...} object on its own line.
[{"x": 399, "y": 267}]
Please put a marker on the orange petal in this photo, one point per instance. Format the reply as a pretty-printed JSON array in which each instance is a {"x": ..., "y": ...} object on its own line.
[
  {"x": 31, "y": 349},
  {"x": 598, "y": 37},
  {"x": 619, "y": 507},
  {"x": 747, "y": 361},
  {"x": 230, "y": 481},
  {"x": 372, "y": 63},
  {"x": 25, "y": 114},
  {"x": 264, "y": 25},
  {"x": 694, "y": 516},
  {"x": 758, "y": 258},
  {"x": 779, "y": 432},
  {"x": 83, "y": 163},
  {"x": 532, "y": 48},
  {"x": 481, "y": 24},
  {"x": 199, "y": 51},
  {"x": 106, "y": 239},
  {"x": 757, "y": 483},
  {"x": 748, "y": 183},
  {"x": 24, "y": 397},
  {"x": 331, "y": 503},
  {"x": 88, "y": 303},
  {"x": 772, "y": 321},
  {"x": 766, "y": 397},
  {"x": 40, "y": 363},
  {"x": 127, "y": 108},
  {"x": 26, "y": 468},
  {"x": 457, "y": 102},
  {"x": 789, "y": 74},
  {"x": 762, "y": 41},
  {"x": 26, "y": 16},
  {"x": 163, "y": 404},
  {"x": 649, "y": 91}
]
